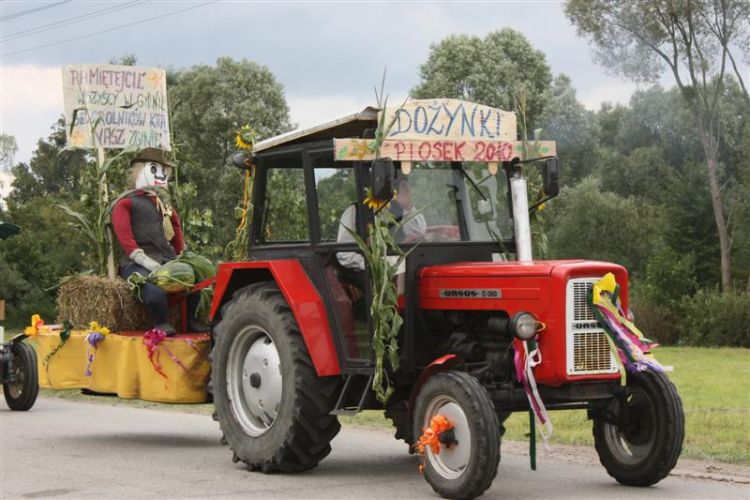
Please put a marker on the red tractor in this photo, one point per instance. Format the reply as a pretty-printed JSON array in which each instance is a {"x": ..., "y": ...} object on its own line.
[{"x": 293, "y": 327}]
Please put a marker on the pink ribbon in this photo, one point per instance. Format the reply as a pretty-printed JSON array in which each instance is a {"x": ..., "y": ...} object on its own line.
[
  {"x": 525, "y": 375},
  {"x": 152, "y": 339}
]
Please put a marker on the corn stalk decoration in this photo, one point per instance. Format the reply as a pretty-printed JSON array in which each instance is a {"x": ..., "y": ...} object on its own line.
[
  {"x": 94, "y": 225},
  {"x": 384, "y": 311},
  {"x": 239, "y": 248}
]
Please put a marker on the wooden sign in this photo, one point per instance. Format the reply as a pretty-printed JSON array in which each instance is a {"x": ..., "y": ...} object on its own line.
[
  {"x": 441, "y": 150},
  {"x": 116, "y": 106},
  {"x": 450, "y": 119},
  {"x": 2, "y": 312}
]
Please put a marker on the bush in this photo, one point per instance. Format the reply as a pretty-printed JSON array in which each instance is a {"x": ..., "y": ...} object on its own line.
[
  {"x": 658, "y": 323},
  {"x": 717, "y": 319}
]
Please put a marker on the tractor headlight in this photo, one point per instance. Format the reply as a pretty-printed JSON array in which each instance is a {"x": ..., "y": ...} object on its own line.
[{"x": 524, "y": 325}]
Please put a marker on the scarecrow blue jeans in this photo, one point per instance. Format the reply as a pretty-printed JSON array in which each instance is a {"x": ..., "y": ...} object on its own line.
[{"x": 154, "y": 297}]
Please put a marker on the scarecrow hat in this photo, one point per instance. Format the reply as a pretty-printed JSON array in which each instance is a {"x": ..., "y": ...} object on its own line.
[{"x": 152, "y": 154}]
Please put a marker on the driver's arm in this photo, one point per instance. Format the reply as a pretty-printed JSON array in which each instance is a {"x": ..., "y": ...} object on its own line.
[{"x": 415, "y": 226}]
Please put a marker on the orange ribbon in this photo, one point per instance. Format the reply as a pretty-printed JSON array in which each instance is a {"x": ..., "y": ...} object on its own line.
[{"x": 431, "y": 435}]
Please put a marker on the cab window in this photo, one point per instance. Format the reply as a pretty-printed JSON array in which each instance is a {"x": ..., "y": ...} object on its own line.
[
  {"x": 337, "y": 191},
  {"x": 285, "y": 203}
]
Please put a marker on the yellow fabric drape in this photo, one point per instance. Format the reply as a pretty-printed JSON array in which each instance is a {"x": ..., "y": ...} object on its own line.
[{"x": 121, "y": 366}]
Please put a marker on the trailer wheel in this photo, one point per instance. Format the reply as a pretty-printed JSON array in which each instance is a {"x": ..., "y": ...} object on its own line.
[
  {"x": 21, "y": 394},
  {"x": 646, "y": 444},
  {"x": 466, "y": 468},
  {"x": 272, "y": 407}
]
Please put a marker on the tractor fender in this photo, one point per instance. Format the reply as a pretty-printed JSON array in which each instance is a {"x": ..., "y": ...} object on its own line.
[
  {"x": 304, "y": 300},
  {"x": 441, "y": 364}
]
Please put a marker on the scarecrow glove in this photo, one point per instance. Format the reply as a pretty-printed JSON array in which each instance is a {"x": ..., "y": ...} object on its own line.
[{"x": 139, "y": 257}]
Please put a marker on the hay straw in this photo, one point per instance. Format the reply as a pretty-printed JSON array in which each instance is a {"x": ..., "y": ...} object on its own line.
[{"x": 85, "y": 298}]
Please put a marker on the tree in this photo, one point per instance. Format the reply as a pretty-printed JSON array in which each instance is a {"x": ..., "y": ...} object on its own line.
[
  {"x": 694, "y": 39},
  {"x": 493, "y": 71},
  {"x": 8, "y": 150},
  {"x": 208, "y": 105},
  {"x": 592, "y": 224},
  {"x": 566, "y": 121},
  {"x": 50, "y": 172}
]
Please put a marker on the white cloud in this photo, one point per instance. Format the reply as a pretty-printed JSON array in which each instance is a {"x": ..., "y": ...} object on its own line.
[
  {"x": 30, "y": 102},
  {"x": 615, "y": 92},
  {"x": 308, "y": 111}
]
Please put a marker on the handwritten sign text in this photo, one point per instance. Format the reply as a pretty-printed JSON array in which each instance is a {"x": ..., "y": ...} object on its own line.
[
  {"x": 450, "y": 119},
  {"x": 441, "y": 150},
  {"x": 115, "y": 106}
]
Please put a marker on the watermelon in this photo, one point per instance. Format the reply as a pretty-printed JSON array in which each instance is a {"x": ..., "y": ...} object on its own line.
[
  {"x": 202, "y": 267},
  {"x": 174, "y": 276}
]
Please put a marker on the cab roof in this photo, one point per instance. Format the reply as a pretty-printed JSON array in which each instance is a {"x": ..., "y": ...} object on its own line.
[{"x": 346, "y": 126}]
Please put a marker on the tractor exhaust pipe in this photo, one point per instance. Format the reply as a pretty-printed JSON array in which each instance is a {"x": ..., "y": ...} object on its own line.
[{"x": 521, "y": 223}]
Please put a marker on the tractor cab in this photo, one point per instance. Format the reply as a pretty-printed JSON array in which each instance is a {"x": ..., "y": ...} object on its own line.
[
  {"x": 311, "y": 185},
  {"x": 487, "y": 330}
]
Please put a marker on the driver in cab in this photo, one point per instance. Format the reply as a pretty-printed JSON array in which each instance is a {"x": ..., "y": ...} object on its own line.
[{"x": 412, "y": 226}]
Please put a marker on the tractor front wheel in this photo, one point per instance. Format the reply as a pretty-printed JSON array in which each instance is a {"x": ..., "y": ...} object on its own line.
[
  {"x": 21, "y": 394},
  {"x": 466, "y": 463},
  {"x": 272, "y": 407},
  {"x": 643, "y": 447}
]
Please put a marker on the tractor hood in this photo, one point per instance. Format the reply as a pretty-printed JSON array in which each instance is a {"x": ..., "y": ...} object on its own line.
[
  {"x": 507, "y": 285},
  {"x": 505, "y": 269}
]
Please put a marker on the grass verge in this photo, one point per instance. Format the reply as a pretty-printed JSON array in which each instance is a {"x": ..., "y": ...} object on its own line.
[{"x": 714, "y": 384}]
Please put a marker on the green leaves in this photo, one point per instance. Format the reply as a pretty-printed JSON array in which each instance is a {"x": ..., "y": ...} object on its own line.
[
  {"x": 386, "y": 318},
  {"x": 81, "y": 222}
]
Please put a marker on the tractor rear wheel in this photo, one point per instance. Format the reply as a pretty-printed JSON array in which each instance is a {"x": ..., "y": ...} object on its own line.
[
  {"x": 272, "y": 407},
  {"x": 21, "y": 394},
  {"x": 644, "y": 446},
  {"x": 466, "y": 464}
]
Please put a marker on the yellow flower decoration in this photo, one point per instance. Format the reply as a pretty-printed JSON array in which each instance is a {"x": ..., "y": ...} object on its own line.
[
  {"x": 36, "y": 323},
  {"x": 245, "y": 138},
  {"x": 153, "y": 78},
  {"x": 374, "y": 203},
  {"x": 360, "y": 149},
  {"x": 77, "y": 138},
  {"x": 94, "y": 326}
]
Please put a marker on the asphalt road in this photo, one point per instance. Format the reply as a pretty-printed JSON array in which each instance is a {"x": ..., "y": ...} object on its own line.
[{"x": 77, "y": 450}]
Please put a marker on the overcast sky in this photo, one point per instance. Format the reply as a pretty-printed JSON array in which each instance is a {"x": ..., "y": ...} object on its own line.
[{"x": 327, "y": 55}]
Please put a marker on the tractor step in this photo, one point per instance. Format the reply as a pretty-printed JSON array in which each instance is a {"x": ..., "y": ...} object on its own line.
[{"x": 353, "y": 395}]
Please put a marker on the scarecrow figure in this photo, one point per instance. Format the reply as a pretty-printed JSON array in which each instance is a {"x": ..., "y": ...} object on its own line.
[{"x": 149, "y": 230}]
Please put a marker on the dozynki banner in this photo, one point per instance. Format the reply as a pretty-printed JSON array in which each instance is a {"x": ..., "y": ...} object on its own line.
[{"x": 112, "y": 106}]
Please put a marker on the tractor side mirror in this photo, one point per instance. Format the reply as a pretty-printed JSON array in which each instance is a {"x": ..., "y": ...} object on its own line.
[
  {"x": 243, "y": 161},
  {"x": 383, "y": 174},
  {"x": 551, "y": 177}
]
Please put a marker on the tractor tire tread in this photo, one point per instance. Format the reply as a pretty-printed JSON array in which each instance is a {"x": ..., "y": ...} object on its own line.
[
  {"x": 307, "y": 440},
  {"x": 477, "y": 402},
  {"x": 658, "y": 466}
]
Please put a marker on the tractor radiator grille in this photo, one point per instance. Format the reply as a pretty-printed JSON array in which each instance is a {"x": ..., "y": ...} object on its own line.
[
  {"x": 581, "y": 309},
  {"x": 588, "y": 351}
]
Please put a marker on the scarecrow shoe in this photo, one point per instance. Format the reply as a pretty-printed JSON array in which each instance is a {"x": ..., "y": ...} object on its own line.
[
  {"x": 194, "y": 326},
  {"x": 166, "y": 328}
]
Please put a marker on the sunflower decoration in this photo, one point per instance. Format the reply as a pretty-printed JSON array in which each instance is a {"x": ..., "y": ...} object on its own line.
[
  {"x": 245, "y": 138},
  {"x": 374, "y": 203}
]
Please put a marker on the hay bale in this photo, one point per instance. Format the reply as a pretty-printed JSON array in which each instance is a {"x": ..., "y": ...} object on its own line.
[{"x": 84, "y": 298}]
